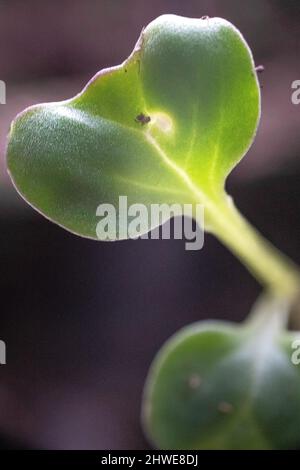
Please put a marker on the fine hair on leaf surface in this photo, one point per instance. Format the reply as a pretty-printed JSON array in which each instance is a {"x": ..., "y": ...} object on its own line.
[{"x": 167, "y": 126}]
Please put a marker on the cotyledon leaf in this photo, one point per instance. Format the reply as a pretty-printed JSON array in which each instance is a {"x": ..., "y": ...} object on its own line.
[
  {"x": 166, "y": 126},
  {"x": 218, "y": 385}
]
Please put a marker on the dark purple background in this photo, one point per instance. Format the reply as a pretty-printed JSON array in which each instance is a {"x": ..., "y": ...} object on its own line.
[{"x": 83, "y": 320}]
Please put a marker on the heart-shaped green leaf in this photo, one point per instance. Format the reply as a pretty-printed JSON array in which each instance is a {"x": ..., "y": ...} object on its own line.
[
  {"x": 217, "y": 385},
  {"x": 166, "y": 126}
]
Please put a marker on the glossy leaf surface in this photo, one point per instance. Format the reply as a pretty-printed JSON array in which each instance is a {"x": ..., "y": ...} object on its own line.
[
  {"x": 221, "y": 386},
  {"x": 166, "y": 126}
]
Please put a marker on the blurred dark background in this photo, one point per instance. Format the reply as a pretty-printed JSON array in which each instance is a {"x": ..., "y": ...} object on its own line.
[{"x": 83, "y": 320}]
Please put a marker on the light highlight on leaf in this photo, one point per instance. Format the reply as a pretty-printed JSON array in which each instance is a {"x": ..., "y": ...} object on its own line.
[{"x": 178, "y": 114}]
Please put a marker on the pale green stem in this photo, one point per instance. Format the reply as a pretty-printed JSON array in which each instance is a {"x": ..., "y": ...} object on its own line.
[
  {"x": 265, "y": 262},
  {"x": 271, "y": 268}
]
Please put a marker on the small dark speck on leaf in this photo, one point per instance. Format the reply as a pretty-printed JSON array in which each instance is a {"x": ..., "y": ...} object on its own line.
[
  {"x": 205, "y": 17},
  {"x": 125, "y": 70},
  {"x": 142, "y": 119},
  {"x": 225, "y": 407},
  {"x": 194, "y": 381}
]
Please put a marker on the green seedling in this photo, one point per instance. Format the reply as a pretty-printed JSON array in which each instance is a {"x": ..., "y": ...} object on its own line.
[
  {"x": 217, "y": 385},
  {"x": 168, "y": 126}
]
